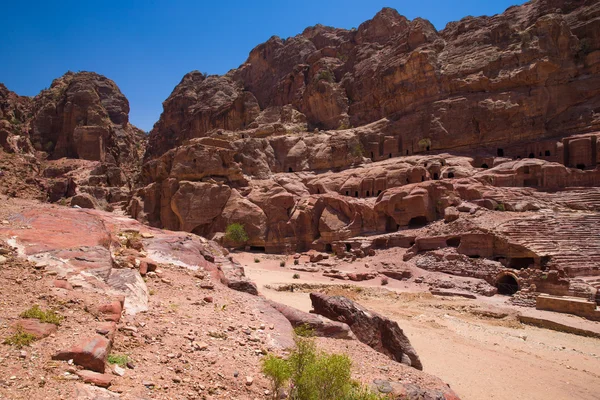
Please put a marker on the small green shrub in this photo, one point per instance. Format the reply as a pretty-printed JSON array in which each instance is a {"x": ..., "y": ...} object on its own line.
[
  {"x": 326, "y": 75},
  {"x": 296, "y": 276},
  {"x": 20, "y": 339},
  {"x": 310, "y": 374},
  {"x": 425, "y": 144},
  {"x": 278, "y": 371},
  {"x": 343, "y": 125},
  {"x": 236, "y": 233},
  {"x": 296, "y": 261},
  {"x": 384, "y": 281},
  {"x": 256, "y": 259},
  {"x": 282, "y": 264},
  {"x": 120, "y": 359},
  {"x": 500, "y": 207},
  {"x": 49, "y": 316},
  {"x": 357, "y": 150}
]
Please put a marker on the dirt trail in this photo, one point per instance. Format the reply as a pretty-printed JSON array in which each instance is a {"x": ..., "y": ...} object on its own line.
[{"x": 480, "y": 357}]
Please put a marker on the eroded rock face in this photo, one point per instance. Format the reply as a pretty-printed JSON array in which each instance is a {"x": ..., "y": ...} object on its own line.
[
  {"x": 75, "y": 137},
  {"x": 532, "y": 69},
  {"x": 84, "y": 115},
  {"x": 379, "y": 332},
  {"x": 242, "y": 148}
]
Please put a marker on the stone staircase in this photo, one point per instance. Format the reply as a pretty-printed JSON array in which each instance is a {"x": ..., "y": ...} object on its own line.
[
  {"x": 578, "y": 199},
  {"x": 593, "y": 281},
  {"x": 571, "y": 240}
]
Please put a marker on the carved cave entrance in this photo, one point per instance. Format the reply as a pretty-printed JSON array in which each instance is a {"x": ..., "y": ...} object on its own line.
[
  {"x": 417, "y": 222},
  {"x": 507, "y": 285}
]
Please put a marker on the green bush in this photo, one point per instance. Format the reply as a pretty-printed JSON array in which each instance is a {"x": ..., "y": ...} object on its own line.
[
  {"x": 357, "y": 150},
  {"x": 326, "y": 75},
  {"x": 236, "y": 233},
  {"x": 296, "y": 276},
  {"x": 49, "y": 316},
  {"x": 120, "y": 359},
  {"x": 310, "y": 374},
  {"x": 20, "y": 339},
  {"x": 424, "y": 144},
  {"x": 500, "y": 207},
  {"x": 282, "y": 264}
]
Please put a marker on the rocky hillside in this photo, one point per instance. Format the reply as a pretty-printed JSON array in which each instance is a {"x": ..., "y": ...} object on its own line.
[
  {"x": 526, "y": 74},
  {"x": 334, "y": 133},
  {"x": 73, "y": 139}
]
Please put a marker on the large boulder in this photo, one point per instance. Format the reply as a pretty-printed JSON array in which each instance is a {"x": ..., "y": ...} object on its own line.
[{"x": 375, "y": 330}]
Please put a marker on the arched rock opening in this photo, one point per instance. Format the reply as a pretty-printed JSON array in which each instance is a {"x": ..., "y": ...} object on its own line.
[
  {"x": 507, "y": 285},
  {"x": 417, "y": 222}
]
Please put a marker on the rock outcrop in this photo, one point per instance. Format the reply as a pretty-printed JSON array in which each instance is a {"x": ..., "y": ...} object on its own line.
[
  {"x": 532, "y": 69},
  {"x": 502, "y": 101},
  {"x": 320, "y": 325},
  {"x": 379, "y": 332},
  {"x": 71, "y": 139}
]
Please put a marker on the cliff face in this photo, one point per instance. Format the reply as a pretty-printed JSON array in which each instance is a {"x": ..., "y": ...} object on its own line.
[
  {"x": 328, "y": 135},
  {"x": 73, "y": 139},
  {"x": 529, "y": 73},
  {"x": 84, "y": 115}
]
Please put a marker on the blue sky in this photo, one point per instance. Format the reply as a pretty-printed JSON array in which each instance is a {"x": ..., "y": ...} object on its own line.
[{"x": 147, "y": 46}]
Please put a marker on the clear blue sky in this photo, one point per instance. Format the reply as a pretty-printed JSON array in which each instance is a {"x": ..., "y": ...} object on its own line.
[{"x": 147, "y": 46}]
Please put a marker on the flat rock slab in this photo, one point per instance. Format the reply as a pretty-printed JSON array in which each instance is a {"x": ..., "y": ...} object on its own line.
[
  {"x": 90, "y": 353},
  {"x": 320, "y": 325},
  {"x": 36, "y": 328},
  {"x": 95, "y": 378}
]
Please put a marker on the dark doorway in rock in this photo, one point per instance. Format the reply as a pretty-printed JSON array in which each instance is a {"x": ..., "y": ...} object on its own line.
[
  {"x": 348, "y": 247},
  {"x": 531, "y": 155},
  {"x": 521, "y": 262},
  {"x": 406, "y": 152},
  {"x": 258, "y": 249},
  {"x": 347, "y": 193},
  {"x": 484, "y": 166},
  {"x": 417, "y": 222},
  {"x": 540, "y": 154},
  {"x": 318, "y": 191},
  {"x": 390, "y": 156},
  {"x": 453, "y": 241},
  {"x": 290, "y": 169},
  {"x": 391, "y": 225},
  {"x": 372, "y": 156},
  {"x": 500, "y": 152},
  {"x": 507, "y": 285},
  {"x": 581, "y": 166},
  {"x": 450, "y": 174},
  {"x": 436, "y": 176},
  {"x": 378, "y": 192},
  {"x": 355, "y": 194},
  {"x": 427, "y": 148},
  {"x": 547, "y": 153},
  {"x": 368, "y": 194},
  {"x": 328, "y": 248},
  {"x": 422, "y": 179}
]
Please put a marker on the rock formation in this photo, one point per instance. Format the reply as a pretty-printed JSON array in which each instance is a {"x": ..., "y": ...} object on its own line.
[
  {"x": 379, "y": 332},
  {"x": 78, "y": 136},
  {"x": 531, "y": 70}
]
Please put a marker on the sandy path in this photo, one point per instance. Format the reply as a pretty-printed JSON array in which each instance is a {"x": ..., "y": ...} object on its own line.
[{"x": 480, "y": 358}]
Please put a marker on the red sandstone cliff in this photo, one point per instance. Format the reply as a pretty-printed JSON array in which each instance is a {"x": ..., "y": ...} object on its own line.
[{"x": 526, "y": 74}]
